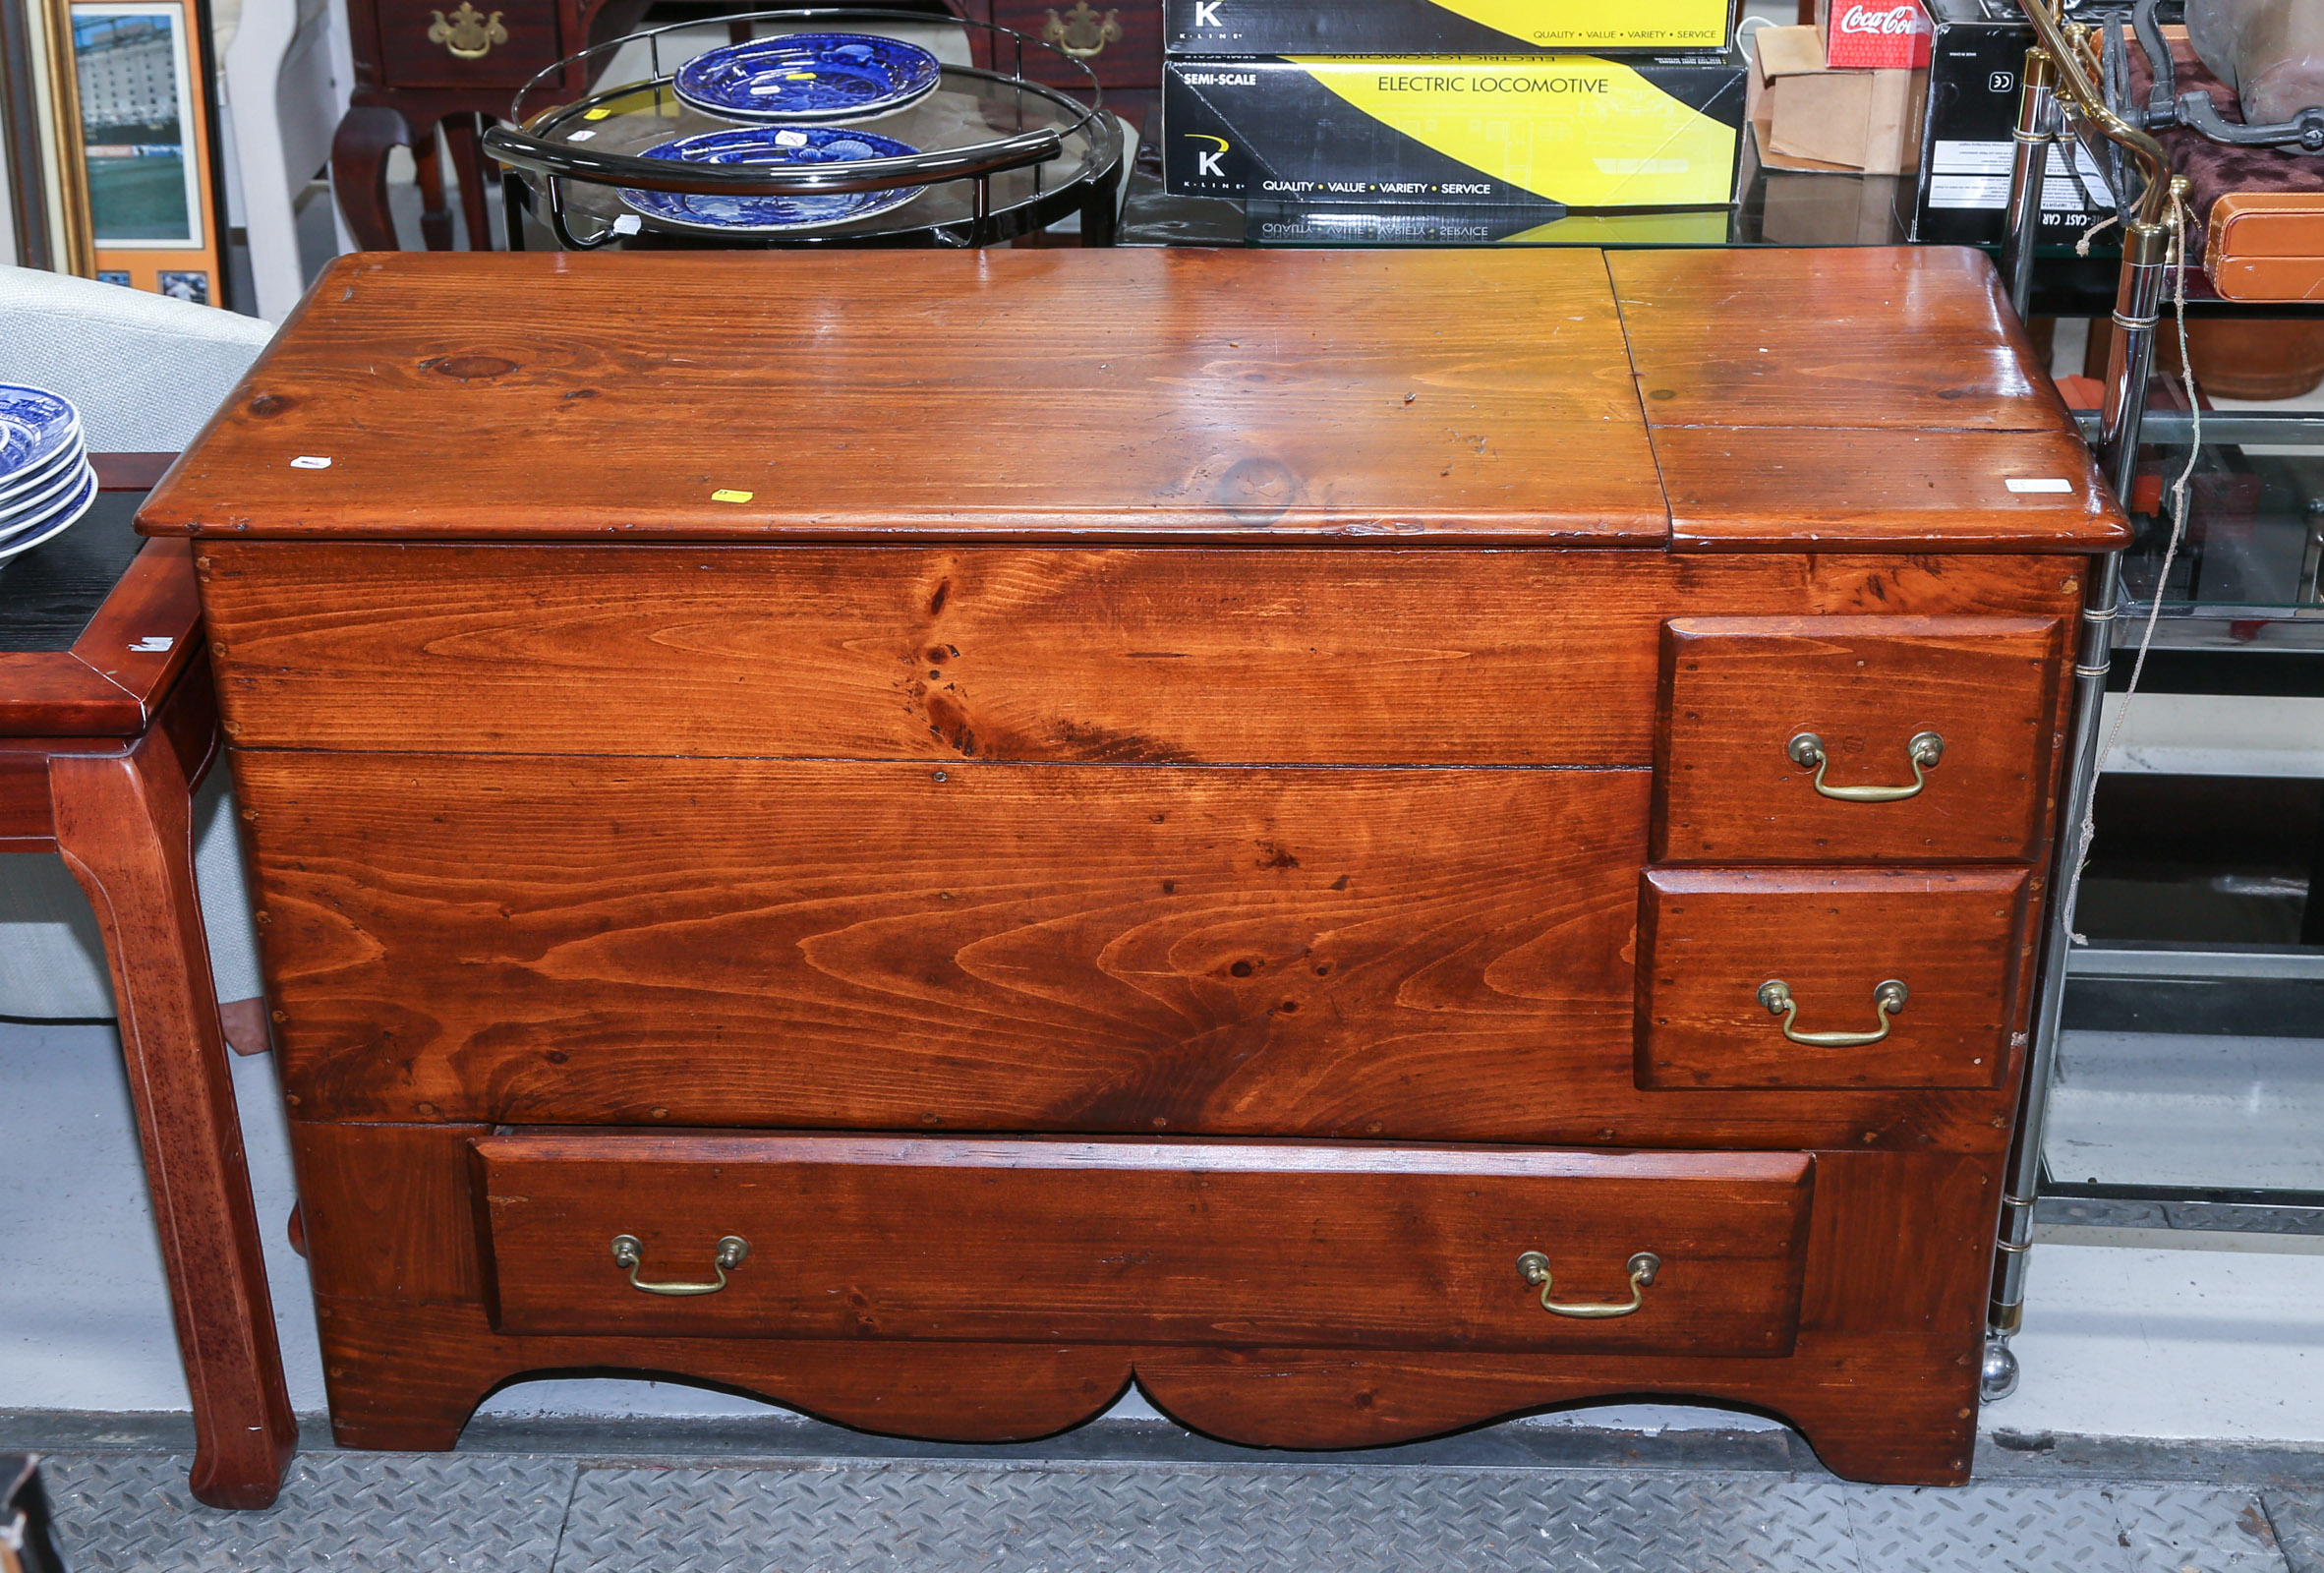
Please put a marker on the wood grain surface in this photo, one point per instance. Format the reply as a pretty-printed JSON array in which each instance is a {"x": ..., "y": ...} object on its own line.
[
  {"x": 1772, "y": 489},
  {"x": 981, "y": 946},
  {"x": 1285, "y": 654},
  {"x": 1248, "y": 1243},
  {"x": 1882, "y": 1378},
  {"x": 1736, "y": 690},
  {"x": 1879, "y": 398},
  {"x": 1709, "y": 939},
  {"x": 1417, "y": 954},
  {"x": 1904, "y": 337},
  {"x": 1047, "y": 394}
]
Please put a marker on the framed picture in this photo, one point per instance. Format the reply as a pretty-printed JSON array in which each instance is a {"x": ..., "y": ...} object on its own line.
[
  {"x": 111, "y": 143},
  {"x": 142, "y": 82},
  {"x": 136, "y": 81}
]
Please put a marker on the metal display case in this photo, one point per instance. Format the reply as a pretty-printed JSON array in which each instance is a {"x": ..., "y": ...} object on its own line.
[
  {"x": 999, "y": 155},
  {"x": 2238, "y": 585}
]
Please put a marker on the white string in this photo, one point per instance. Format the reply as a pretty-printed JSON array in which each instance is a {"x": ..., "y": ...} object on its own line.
[
  {"x": 2083, "y": 246},
  {"x": 2177, "y": 261}
]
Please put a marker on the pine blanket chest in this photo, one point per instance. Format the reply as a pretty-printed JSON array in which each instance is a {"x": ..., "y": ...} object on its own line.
[{"x": 1368, "y": 841}]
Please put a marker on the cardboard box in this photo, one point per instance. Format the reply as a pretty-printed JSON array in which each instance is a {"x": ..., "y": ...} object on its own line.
[
  {"x": 1245, "y": 28},
  {"x": 1584, "y": 132},
  {"x": 1825, "y": 209},
  {"x": 1962, "y": 196},
  {"x": 1809, "y": 116}
]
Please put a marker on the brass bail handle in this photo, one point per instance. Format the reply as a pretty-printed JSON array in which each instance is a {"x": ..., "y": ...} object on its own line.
[
  {"x": 628, "y": 1253},
  {"x": 1534, "y": 1268},
  {"x": 1888, "y": 998},
  {"x": 1923, "y": 748}
]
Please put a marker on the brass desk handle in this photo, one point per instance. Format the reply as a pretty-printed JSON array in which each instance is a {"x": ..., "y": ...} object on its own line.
[
  {"x": 627, "y": 1252},
  {"x": 1923, "y": 748},
  {"x": 1081, "y": 33},
  {"x": 1888, "y": 998},
  {"x": 467, "y": 33},
  {"x": 1534, "y": 1268}
]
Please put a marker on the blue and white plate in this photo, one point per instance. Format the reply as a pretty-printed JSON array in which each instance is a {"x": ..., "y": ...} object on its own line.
[
  {"x": 824, "y": 77},
  {"x": 40, "y": 476},
  {"x": 20, "y": 514},
  {"x": 35, "y": 425},
  {"x": 57, "y": 523},
  {"x": 772, "y": 144}
]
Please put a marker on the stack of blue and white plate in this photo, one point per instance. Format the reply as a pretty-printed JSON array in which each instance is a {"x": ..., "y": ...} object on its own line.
[
  {"x": 798, "y": 97},
  {"x": 45, "y": 482}
]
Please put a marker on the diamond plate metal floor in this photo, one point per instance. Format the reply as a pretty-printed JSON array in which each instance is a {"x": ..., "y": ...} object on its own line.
[{"x": 497, "y": 1513}]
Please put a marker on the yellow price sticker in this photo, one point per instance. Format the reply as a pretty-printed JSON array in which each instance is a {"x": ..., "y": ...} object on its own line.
[{"x": 725, "y": 495}]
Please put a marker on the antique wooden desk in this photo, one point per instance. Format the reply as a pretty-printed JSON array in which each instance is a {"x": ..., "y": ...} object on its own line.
[
  {"x": 1370, "y": 840},
  {"x": 107, "y": 723}
]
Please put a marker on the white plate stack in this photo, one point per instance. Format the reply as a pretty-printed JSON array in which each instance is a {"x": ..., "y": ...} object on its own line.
[{"x": 45, "y": 482}]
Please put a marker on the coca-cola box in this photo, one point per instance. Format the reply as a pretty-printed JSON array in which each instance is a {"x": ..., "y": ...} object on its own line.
[
  {"x": 1874, "y": 35},
  {"x": 1976, "y": 65}
]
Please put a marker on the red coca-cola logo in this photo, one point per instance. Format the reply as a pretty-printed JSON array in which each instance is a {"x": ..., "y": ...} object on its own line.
[
  {"x": 1864, "y": 20},
  {"x": 1881, "y": 37}
]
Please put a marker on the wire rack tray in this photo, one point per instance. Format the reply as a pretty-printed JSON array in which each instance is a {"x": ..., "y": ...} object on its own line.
[{"x": 1000, "y": 155}]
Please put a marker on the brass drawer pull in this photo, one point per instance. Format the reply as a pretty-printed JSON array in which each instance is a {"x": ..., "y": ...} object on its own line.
[
  {"x": 1081, "y": 33},
  {"x": 1888, "y": 998},
  {"x": 627, "y": 1252},
  {"x": 1923, "y": 748},
  {"x": 1534, "y": 1268},
  {"x": 468, "y": 33}
]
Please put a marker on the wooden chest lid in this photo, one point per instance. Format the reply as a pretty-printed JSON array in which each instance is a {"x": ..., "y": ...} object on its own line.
[
  {"x": 1051, "y": 395},
  {"x": 1459, "y": 396}
]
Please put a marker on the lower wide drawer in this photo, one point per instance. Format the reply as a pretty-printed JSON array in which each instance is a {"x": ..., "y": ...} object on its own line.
[{"x": 1215, "y": 1243}]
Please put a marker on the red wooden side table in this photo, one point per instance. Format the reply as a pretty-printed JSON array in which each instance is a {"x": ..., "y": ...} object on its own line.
[{"x": 103, "y": 740}]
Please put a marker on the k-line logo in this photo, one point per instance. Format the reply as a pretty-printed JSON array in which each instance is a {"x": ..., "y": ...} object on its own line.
[
  {"x": 1206, "y": 12},
  {"x": 1208, "y": 163}
]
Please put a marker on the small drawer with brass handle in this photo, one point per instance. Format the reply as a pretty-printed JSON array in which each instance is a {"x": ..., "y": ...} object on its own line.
[
  {"x": 1855, "y": 739},
  {"x": 1807, "y": 977},
  {"x": 1145, "y": 1243},
  {"x": 469, "y": 45}
]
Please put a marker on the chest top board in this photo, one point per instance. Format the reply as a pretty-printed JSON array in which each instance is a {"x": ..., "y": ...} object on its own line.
[
  {"x": 1368, "y": 840},
  {"x": 1872, "y": 400}
]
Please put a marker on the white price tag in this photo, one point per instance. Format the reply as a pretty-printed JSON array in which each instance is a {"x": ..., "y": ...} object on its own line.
[{"x": 2016, "y": 484}]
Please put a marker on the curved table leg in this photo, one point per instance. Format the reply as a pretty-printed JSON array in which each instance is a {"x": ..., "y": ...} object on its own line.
[
  {"x": 461, "y": 141},
  {"x": 121, "y": 824},
  {"x": 359, "y": 172},
  {"x": 436, "y": 220}
]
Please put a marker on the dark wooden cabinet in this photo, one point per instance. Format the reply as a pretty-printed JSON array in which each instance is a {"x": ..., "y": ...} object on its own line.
[
  {"x": 1122, "y": 46},
  {"x": 421, "y": 69},
  {"x": 1261, "y": 873}
]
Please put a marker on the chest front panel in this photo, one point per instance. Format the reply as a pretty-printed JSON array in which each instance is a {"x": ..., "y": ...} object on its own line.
[{"x": 1303, "y": 841}]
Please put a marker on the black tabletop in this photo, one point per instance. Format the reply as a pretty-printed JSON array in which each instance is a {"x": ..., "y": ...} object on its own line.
[{"x": 48, "y": 593}]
